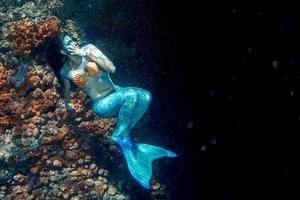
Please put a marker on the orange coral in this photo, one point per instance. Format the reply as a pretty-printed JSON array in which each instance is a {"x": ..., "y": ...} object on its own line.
[
  {"x": 79, "y": 102},
  {"x": 26, "y": 34},
  {"x": 91, "y": 126},
  {"x": 17, "y": 109},
  {"x": 6, "y": 95},
  {"x": 4, "y": 120},
  {"x": 62, "y": 132},
  {"x": 3, "y": 74},
  {"x": 102, "y": 126},
  {"x": 42, "y": 100}
]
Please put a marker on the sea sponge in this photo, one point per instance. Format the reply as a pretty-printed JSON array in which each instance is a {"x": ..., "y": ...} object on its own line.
[
  {"x": 25, "y": 35},
  {"x": 17, "y": 108},
  {"x": 42, "y": 100},
  {"x": 3, "y": 74},
  {"x": 62, "y": 132},
  {"x": 6, "y": 95}
]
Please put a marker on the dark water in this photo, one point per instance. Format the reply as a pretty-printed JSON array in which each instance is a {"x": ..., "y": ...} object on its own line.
[
  {"x": 225, "y": 83},
  {"x": 234, "y": 73}
]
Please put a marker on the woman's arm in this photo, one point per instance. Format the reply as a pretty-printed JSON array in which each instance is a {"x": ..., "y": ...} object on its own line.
[
  {"x": 67, "y": 87},
  {"x": 92, "y": 52},
  {"x": 98, "y": 57}
]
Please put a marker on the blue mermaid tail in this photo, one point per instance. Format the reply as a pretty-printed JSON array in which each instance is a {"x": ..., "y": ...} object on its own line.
[
  {"x": 129, "y": 104},
  {"x": 139, "y": 159}
]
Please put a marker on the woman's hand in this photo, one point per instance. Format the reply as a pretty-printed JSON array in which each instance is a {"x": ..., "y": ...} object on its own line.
[{"x": 74, "y": 49}]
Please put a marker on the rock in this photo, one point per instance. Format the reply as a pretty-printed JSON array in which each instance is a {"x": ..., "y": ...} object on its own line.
[
  {"x": 53, "y": 178},
  {"x": 105, "y": 173},
  {"x": 53, "y": 173},
  {"x": 74, "y": 173},
  {"x": 19, "y": 178},
  {"x": 74, "y": 178},
  {"x": 120, "y": 197},
  {"x": 97, "y": 183},
  {"x": 89, "y": 182},
  {"x": 93, "y": 166},
  {"x": 66, "y": 170},
  {"x": 44, "y": 180},
  {"x": 66, "y": 196},
  {"x": 156, "y": 186},
  {"x": 71, "y": 155},
  {"x": 87, "y": 158},
  {"x": 57, "y": 163},
  {"x": 84, "y": 172},
  {"x": 80, "y": 161},
  {"x": 48, "y": 161},
  {"x": 104, "y": 186},
  {"x": 42, "y": 173},
  {"x": 3, "y": 188},
  {"x": 93, "y": 194},
  {"x": 102, "y": 179},
  {"x": 74, "y": 145},
  {"x": 63, "y": 187},
  {"x": 101, "y": 171},
  {"x": 112, "y": 190},
  {"x": 59, "y": 194},
  {"x": 18, "y": 189}
]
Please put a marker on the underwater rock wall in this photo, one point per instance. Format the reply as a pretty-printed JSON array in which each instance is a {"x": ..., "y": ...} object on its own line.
[
  {"x": 48, "y": 150},
  {"x": 26, "y": 35},
  {"x": 45, "y": 151},
  {"x": 93, "y": 20},
  {"x": 13, "y": 11}
]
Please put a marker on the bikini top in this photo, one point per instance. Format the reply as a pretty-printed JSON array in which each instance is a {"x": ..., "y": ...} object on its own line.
[{"x": 80, "y": 79}]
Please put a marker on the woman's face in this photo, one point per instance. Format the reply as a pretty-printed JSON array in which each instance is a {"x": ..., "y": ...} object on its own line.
[{"x": 67, "y": 43}]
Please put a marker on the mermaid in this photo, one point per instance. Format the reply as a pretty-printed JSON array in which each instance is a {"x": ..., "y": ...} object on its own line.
[{"x": 88, "y": 68}]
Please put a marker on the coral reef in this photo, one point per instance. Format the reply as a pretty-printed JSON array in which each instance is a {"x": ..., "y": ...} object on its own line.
[
  {"x": 45, "y": 151},
  {"x": 55, "y": 153},
  {"x": 25, "y": 35},
  {"x": 15, "y": 108},
  {"x": 35, "y": 131}
]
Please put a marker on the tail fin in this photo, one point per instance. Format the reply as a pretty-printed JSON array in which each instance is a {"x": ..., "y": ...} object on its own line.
[{"x": 139, "y": 159}]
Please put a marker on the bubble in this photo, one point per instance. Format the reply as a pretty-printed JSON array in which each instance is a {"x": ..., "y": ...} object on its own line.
[
  {"x": 275, "y": 64},
  {"x": 213, "y": 141},
  {"x": 190, "y": 125}
]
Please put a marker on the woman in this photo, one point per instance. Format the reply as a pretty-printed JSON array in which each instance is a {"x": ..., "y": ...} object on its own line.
[{"x": 89, "y": 69}]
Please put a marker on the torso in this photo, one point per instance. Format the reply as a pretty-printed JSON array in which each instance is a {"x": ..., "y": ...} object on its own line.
[{"x": 96, "y": 86}]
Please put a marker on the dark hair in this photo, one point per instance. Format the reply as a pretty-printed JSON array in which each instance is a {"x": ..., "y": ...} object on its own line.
[
  {"x": 65, "y": 40},
  {"x": 54, "y": 57}
]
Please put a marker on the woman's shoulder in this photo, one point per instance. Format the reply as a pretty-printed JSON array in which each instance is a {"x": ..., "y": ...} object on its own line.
[{"x": 89, "y": 47}]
